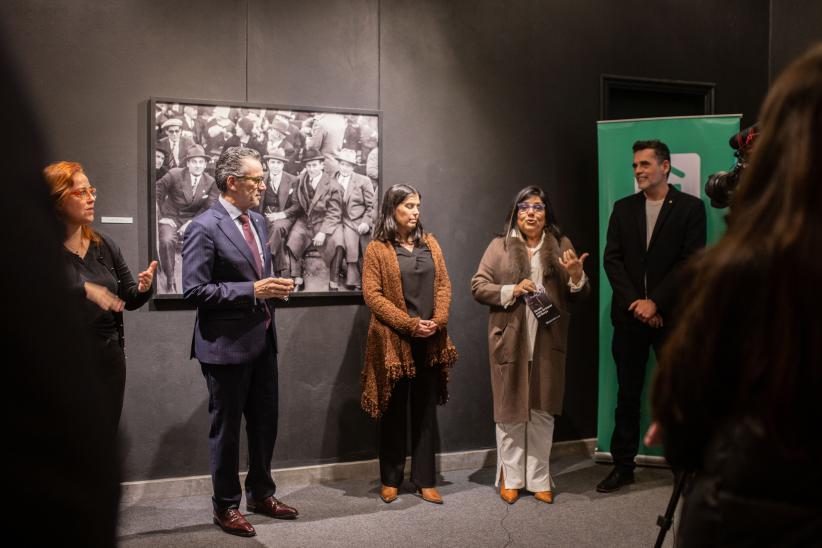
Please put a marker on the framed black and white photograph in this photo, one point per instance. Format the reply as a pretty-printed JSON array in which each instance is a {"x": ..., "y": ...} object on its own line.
[{"x": 322, "y": 175}]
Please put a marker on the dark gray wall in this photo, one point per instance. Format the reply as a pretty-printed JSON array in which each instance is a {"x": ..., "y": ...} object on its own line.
[
  {"x": 479, "y": 99},
  {"x": 795, "y": 26}
]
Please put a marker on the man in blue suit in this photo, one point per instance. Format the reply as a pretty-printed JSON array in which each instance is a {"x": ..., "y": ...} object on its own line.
[{"x": 226, "y": 274}]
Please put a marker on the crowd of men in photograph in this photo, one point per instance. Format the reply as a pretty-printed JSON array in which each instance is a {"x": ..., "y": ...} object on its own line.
[{"x": 321, "y": 174}]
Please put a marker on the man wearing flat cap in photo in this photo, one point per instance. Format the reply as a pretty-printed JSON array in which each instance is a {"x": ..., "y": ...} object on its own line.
[
  {"x": 181, "y": 194},
  {"x": 358, "y": 204},
  {"x": 174, "y": 145},
  {"x": 320, "y": 201},
  {"x": 279, "y": 208}
]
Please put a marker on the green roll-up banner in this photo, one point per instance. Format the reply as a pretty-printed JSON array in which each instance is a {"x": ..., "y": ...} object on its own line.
[{"x": 699, "y": 147}]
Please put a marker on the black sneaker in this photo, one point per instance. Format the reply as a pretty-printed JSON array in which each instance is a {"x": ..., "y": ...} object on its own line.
[{"x": 618, "y": 478}]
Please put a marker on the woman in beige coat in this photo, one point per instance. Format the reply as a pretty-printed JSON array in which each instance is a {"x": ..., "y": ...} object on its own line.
[{"x": 527, "y": 356}]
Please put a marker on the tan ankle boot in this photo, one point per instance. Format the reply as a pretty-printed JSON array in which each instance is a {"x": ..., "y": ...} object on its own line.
[
  {"x": 508, "y": 495},
  {"x": 388, "y": 494},
  {"x": 430, "y": 494}
]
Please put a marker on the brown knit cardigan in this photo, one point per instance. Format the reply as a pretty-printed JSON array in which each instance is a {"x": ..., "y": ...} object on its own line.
[{"x": 388, "y": 348}]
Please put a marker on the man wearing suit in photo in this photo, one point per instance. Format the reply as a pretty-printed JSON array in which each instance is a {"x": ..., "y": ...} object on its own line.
[
  {"x": 181, "y": 194},
  {"x": 320, "y": 201},
  {"x": 193, "y": 127},
  {"x": 651, "y": 234},
  {"x": 279, "y": 208},
  {"x": 226, "y": 274},
  {"x": 327, "y": 134},
  {"x": 160, "y": 167},
  {"x": 358, "y": 205},
  {"x": 174, "y": 145}
]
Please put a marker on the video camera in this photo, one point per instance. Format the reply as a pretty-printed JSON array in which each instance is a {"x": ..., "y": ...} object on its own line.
[{"x": 721, "y": 185}]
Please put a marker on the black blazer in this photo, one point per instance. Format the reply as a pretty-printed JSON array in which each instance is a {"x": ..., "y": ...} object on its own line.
[{"x": 680, "y": 230}]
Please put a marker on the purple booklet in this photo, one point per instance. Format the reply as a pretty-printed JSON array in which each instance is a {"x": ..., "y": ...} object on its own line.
[{"x": 541, "y": 306}]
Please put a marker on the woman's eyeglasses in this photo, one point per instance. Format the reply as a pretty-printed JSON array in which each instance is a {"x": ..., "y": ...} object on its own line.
[
  {"x": 523, "y": 207},
  {"x": 90, "y": 192}
]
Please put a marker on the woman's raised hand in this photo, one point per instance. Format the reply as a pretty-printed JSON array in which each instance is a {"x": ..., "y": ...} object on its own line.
[{"x": 573, "y": 264}]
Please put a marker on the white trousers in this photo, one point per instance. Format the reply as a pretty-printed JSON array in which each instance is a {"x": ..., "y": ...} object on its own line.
[{"x": 523, "y": 452}]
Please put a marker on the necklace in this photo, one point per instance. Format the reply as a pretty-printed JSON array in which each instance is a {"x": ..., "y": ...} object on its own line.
[{"x": 75, "y": 251}]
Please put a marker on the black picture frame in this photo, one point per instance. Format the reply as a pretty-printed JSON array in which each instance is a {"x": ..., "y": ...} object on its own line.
[{"x": 326, "y": 129}]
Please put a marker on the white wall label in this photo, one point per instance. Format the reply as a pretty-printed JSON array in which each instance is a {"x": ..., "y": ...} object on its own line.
[{"x": 117, "y": 220}]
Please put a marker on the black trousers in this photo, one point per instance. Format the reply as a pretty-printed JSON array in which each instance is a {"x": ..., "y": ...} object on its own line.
[
  {"x": 630, "y": 347},
  {"x": 167, "y": 242},
  {"x": 112, "y": 375},
  {"x": 420, "y": 395},
  {"x": 237, "y": 390}
]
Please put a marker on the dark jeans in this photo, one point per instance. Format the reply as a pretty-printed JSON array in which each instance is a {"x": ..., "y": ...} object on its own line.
[
  {"x": 237, "y": 390},
  {"x": 421, "y": 394},
  {"x": 630, "y": 347}
]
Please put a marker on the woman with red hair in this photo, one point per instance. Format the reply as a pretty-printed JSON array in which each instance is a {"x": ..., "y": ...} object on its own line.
[{"x": 98, "y": 266}]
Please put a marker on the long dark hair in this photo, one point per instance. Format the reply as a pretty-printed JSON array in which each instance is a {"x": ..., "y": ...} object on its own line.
[
  {"x": 748, "y": 341},
  {"x": 551, "y": 224},
  {"x": 386, "y": 228}
]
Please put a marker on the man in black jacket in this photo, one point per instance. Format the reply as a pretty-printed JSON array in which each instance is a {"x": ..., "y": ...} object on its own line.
[{"x": 650, "y": 235}]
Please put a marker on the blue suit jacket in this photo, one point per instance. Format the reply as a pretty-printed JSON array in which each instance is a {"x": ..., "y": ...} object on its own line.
[{"x": 218, "y": 277}]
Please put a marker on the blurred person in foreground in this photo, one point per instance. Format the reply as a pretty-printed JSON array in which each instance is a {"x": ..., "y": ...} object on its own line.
[
  {"x": 98, "y": 265},
  {"x": 63, "y": 455},
  {"x": 527, "y": 355},
  {"x": 736, "y": 398}
]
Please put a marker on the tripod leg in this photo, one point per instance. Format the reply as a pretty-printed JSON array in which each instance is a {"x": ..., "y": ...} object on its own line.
[{"x": 665, "y": 521}]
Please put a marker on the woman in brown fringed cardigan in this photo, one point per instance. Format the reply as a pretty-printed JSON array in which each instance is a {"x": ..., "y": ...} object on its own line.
[{"x": 408, "y": 353}]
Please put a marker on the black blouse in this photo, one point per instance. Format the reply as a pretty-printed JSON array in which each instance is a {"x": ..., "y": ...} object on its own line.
[
  {"x": 117, "y": 278},
  {"x": 417, "y": 273}
]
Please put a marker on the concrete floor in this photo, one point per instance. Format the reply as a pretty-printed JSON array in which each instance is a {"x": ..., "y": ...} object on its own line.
[{"x": 351, "y": 514}]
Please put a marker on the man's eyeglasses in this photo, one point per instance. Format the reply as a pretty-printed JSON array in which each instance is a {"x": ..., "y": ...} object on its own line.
[
  {"x": 90, "y": 191},
  {"x": 256, "y": 180},
  {"x": 523, "y": 207},
  {"x": 173, "y": 130}
]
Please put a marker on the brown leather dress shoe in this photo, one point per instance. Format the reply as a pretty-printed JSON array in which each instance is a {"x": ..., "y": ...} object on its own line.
[
  {"x": 388, "y": 494},
  {"x": 233, "y": 522},
  {"x": 508, "y": 495},
  {"x": 545, "y": 496},
  {"x": 430, "y": 494},
  {"x": 271, "y": 507}
]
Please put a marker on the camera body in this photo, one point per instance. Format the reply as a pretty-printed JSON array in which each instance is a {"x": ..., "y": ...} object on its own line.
[{"x": 721, "y": 185}]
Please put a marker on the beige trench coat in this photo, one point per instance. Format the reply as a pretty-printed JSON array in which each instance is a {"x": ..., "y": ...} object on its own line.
[{"x": 516, "y": 390}]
